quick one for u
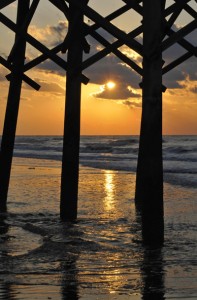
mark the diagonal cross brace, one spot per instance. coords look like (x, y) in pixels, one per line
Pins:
(39, 46)
(189, 9)
(177, 10)
(5, 3)
(116, 32)
(176, 62)
(110, 48)
(28, 80)
(178, 36)
(23, 28)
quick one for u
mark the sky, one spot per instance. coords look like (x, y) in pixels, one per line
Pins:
(111, 102)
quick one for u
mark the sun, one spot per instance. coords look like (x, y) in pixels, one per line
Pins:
(110, 85)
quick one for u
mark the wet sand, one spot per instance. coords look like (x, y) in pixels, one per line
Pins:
(101, 255)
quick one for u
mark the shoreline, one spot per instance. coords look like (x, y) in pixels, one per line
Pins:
(101, 255)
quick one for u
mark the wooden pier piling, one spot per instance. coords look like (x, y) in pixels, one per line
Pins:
(71, 139)
(11, 116)
(149, 181)
(158, 36)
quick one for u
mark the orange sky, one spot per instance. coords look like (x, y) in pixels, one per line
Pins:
(103, 111)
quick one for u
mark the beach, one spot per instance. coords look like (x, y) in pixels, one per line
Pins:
(101, 255)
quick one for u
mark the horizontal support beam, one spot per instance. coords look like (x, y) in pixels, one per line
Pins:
(25, 78)
(39, 46)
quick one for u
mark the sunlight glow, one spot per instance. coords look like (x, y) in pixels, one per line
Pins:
(110, 85)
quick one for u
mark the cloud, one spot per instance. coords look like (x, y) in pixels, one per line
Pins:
(111, 68)
(48, 87)
(184, 70)
(119, 92)
(193, 89)
(132, 103)
(50, 67)
(50, 35)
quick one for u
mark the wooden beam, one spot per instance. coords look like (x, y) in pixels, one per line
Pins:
(149, 179)
(5, 3)
(189, 9)
(87, 29)
(115, 31)
(176, 62)
(90, 30)
(25, 78)
(111, 48)
(177, 10)
(39, 46)
(61, 5)
(10, 123)
(24, 28)
(109, 18)
(179, 35)
(135, 5)
(32, 41)
(70, 158)
(184, 43)
(41, 58)
(114, 50)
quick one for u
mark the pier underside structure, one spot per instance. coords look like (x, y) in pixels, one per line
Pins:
(155, 33)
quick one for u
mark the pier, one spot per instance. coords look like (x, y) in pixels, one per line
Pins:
(156, 28)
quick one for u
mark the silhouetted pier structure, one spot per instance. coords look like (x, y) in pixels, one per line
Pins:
(157, 24)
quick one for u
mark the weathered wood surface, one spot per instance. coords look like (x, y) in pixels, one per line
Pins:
(11, 116)
(70, 158)
(149, 181)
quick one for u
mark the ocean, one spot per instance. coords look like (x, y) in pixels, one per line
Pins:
(118, 153)
(101, 255)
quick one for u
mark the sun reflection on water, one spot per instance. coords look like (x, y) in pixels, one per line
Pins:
(109, 190)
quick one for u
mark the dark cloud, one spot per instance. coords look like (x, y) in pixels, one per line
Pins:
(183, 71)
(171, 79)
(119, 92)
(50, 67)
(132, 104)
(111, 68)
(189, 68)
(49, 87)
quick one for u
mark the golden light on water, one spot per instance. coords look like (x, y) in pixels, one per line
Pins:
(109, 190)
